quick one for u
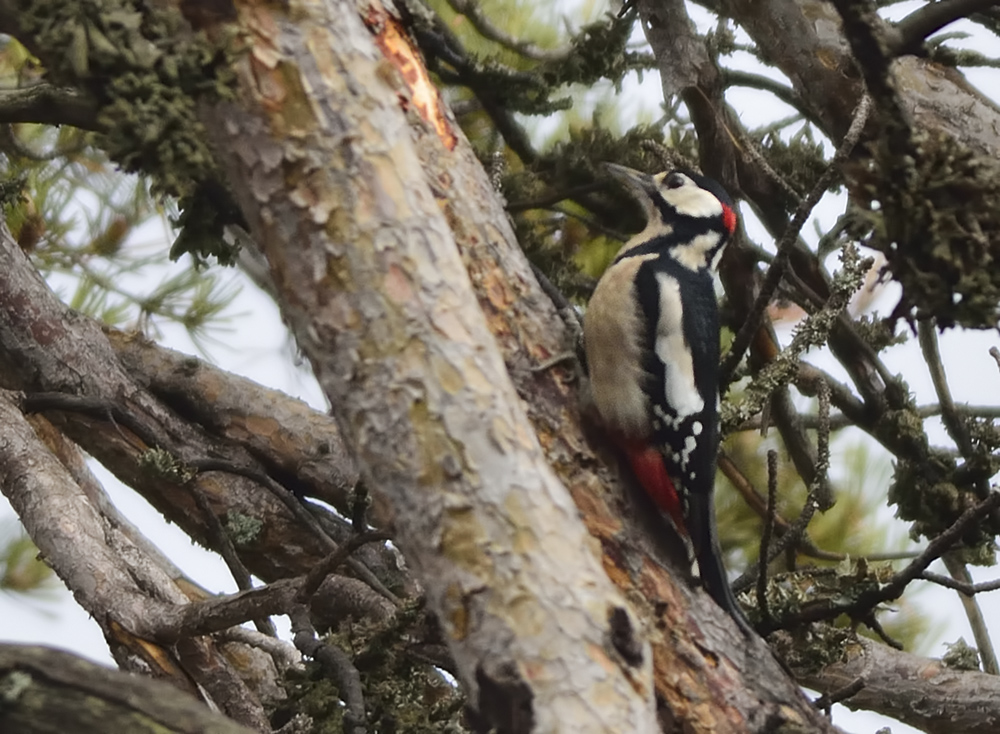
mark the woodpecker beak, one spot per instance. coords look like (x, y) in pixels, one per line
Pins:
(640, 185)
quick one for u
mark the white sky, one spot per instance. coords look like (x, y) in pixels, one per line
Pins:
(257, 346)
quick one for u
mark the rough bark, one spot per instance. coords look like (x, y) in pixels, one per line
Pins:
(370, 281)
(46, 691)
(924, 693)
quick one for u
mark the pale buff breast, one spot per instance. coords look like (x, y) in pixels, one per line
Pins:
(612, 328)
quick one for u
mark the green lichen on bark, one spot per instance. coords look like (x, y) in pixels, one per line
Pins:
(243, 530)
(402, 693)
(811, 332)
(961, 656)
(928, 493)
(164, 465)
(938, 225)
(148, 72)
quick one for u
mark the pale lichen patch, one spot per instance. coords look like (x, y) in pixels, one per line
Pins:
(447, 375)
(524, 613)
(463, 539)
(501, 434)
(398, 286)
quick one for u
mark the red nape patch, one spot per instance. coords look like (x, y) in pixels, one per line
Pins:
(651, 471)
(728, 219)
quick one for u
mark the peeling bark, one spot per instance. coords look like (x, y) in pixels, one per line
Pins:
(370, 281)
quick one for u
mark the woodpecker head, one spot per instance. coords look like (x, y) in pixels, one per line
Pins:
(690, 215)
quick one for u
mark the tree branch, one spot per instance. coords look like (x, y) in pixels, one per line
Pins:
(912, 30)
(958, 570)
(49, 690)
(736, 78)
(923, 693)
(48, 105)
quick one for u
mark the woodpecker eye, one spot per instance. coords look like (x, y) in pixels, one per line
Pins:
(674, 181)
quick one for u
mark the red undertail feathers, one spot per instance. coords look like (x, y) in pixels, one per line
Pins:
(650, 469)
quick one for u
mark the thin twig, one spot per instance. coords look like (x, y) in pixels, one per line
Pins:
(788, 540)
(995, 353)
(288, 499)
(669, 157)
(734, 78)
(328, 565)
(966, 588)
(774, 273)
(487, 30)
(225, 548)
(285, 656)
(898, 583)
(221, 612)
(927, 336)
(871, 621)
(839, 420)
(550, 199)
(825, 702)
(439, 44)
(958, 570)
(953, 423)
(765, 540)
(336, 665)
(806, 546)
(821, 482)
(38, 402)
(48, 105)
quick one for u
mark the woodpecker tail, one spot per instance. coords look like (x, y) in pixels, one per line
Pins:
(698, 523)
(705, 538)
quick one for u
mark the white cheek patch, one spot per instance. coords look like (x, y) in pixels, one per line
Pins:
(672, 351)
(693, 201)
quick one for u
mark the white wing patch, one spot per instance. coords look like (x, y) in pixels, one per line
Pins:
(694, 254)
(682, 394)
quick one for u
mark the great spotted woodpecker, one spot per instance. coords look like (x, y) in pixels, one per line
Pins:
(651, 335)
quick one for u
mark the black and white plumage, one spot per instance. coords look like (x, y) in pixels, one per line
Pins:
(651, 334)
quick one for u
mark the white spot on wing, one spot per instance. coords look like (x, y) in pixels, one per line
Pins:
(690, 444)
(696, 428)
(673, 352)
